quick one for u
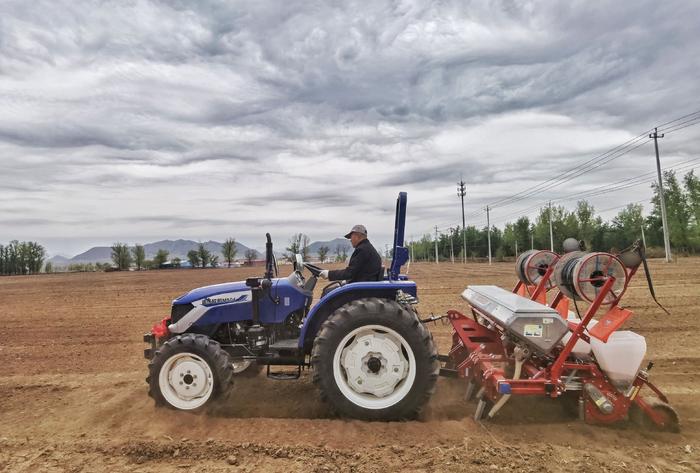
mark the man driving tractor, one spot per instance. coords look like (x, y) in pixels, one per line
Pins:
(365, 263)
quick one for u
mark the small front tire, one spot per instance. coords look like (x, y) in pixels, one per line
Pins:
(188, 371)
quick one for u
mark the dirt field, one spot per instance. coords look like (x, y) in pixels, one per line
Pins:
(73, 396)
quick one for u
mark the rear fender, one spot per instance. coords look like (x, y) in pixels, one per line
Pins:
(341, 296)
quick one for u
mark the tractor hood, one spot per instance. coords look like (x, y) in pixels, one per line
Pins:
(210, 291)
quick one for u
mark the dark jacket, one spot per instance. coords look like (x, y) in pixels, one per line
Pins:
(365, 265)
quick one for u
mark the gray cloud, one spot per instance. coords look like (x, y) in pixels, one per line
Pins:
(300, 115)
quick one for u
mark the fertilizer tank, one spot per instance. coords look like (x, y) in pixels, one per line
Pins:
(540, 327)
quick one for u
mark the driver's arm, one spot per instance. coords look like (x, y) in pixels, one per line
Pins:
(357, 261)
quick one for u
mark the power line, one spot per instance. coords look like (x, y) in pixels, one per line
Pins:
(588, 166)
(671, 130)
(679, 123)
(576, 171)
(677, 119)
(646, 178)
(621, 206)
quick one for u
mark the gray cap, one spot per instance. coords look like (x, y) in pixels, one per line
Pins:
(357, 229)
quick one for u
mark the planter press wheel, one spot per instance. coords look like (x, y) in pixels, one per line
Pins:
(593, 270)
(670, 416)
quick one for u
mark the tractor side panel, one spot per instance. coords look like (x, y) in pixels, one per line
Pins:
(344, 294)
(290, 298)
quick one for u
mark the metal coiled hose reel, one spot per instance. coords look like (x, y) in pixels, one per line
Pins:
(532, 265)
(580, 275)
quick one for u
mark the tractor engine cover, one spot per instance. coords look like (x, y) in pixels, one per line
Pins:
(538, 326)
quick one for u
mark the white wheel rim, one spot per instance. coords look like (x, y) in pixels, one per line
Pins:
(374, 367)
(240, 366)
(186, 381)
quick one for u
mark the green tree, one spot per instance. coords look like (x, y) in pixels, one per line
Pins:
(48, 268)
(204, 255)
(138, 254)
(678, 213)
(341, 253)
(323, 252)
(193, 258)
(588, 224)
(177, 262)
(250, 255)
(627, 226)
(229, 250)
(121, 256)
(692, 187)
(298, 244)
(160, 258)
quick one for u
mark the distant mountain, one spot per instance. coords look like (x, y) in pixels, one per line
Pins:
(96, 254)
(175, 248)
(58, 260)
(179, 248)
(332, 244)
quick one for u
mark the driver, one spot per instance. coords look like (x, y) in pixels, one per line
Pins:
(365, 263)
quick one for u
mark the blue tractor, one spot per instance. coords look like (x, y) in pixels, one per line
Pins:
(371, 356)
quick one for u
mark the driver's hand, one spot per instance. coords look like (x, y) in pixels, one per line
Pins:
(323, 274)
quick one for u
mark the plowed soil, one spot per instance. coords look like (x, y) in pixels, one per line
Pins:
(73, 396)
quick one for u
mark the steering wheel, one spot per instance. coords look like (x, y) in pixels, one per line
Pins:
(315, 270)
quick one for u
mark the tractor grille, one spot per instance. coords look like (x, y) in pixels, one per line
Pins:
(179, 311)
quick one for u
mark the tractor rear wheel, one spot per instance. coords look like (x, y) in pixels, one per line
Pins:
(374, 360)
(188, 371)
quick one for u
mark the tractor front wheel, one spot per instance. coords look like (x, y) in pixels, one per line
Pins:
(374, 360)
(188, 371)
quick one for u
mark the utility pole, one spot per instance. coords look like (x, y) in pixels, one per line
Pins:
(461, 192)
(436, 248)
(488, 225)
(516, 247)
(667, 242)
(413, 258)
(551, 234)
(644, 240)
(452, 248)
(532, 241)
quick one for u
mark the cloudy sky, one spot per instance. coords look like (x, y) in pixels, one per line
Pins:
(141, 120)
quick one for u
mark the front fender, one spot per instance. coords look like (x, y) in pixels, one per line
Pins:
(342, 295)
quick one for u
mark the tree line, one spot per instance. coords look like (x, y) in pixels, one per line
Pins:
(25, 257)
(124, 257)
(683, 213)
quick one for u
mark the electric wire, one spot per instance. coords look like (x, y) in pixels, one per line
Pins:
(671, 126)
(576, 171)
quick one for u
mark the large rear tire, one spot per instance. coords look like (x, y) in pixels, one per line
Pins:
(188, 371)
(374, 360)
